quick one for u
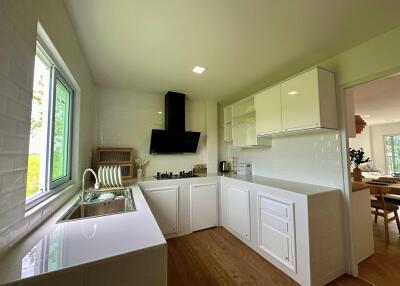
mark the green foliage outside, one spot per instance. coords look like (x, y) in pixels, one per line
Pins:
(392, 146)
(61, 127)
(32, 184)
(61, 130)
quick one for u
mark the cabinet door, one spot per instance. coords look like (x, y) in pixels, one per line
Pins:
(238, 210)
(268, 111)
(275, 242)
(276, 230)
(163, 203)
(228, 132)
(300, 102)
(203, 206)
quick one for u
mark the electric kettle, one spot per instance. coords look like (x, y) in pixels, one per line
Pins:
(223, 166)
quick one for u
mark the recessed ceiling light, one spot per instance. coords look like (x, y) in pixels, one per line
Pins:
(198, 70)
(160, 112)
(367, 116)
(293, 92)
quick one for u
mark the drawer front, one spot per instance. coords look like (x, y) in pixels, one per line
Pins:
(274, 222)
(276, 231)
(274, 207)
(276, 243)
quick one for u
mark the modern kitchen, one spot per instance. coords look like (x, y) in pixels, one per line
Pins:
(182, 143)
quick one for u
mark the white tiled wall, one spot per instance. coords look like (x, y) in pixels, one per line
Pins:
(18, 23)
(119, 114)
(16, 71)
(313, 158)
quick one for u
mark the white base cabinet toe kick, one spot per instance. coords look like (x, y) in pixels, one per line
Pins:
(297, 227)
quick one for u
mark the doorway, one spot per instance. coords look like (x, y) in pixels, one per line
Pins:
(374, 142)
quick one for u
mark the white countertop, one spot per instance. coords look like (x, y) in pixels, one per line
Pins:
(56, 246)
(290, 186)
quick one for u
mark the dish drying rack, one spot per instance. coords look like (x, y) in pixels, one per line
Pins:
(109, 189)
(116, 156)
(93, 194)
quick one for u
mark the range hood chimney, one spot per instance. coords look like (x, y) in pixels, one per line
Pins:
(175, 111)
(174, 139)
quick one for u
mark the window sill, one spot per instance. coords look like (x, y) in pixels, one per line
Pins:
(67, 190)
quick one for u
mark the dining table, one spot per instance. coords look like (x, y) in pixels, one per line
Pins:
(390, 185)
(383, 189)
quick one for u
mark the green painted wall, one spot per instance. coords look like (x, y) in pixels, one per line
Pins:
(379, 56)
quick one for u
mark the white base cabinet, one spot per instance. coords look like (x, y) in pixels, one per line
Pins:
(190, 204)
(203, 206)
(276, 232)
(301, 232)
(288, 228)
(163, 203)
(362, 227)
(238, 210)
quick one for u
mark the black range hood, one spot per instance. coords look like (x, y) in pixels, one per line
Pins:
(174, 139)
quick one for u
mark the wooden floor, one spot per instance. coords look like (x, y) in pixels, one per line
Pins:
(383, 268)
(216, 257)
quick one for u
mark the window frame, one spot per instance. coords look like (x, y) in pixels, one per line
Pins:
(54, 184)
(387, 163)
(56, 73)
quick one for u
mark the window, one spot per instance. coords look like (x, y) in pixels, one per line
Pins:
(392, 153)
(49, 161)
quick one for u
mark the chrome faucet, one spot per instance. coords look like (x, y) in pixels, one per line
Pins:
(96, 185)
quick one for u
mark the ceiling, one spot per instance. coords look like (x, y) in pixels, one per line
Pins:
(152, 46)
(378, 101)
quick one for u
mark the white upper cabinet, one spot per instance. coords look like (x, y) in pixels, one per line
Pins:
(268, 111)
(304, 102)
(228, 124)
(309, 101)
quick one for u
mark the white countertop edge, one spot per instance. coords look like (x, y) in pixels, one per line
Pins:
(20, 249)
(90, 263)
(301, 188)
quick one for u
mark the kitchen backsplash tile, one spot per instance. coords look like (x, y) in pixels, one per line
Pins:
(313, 158)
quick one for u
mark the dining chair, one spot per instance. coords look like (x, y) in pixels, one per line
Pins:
(383, 208)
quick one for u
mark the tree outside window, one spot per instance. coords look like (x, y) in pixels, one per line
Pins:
(392, 153)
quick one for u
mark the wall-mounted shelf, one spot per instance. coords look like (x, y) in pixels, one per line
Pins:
(244, 125)
(115, 156)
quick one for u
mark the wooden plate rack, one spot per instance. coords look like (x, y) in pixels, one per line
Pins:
(115, 156)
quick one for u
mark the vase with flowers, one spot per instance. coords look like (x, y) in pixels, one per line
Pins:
(357, 158)
(140, 163)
